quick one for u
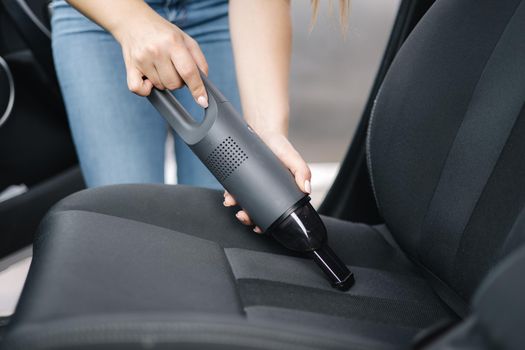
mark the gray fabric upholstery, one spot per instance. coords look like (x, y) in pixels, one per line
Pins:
(488, 327)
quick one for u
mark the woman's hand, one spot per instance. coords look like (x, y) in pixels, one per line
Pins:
(152, 46)
(284, 150)
(158, 50)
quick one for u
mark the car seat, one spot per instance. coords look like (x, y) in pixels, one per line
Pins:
(162, 267)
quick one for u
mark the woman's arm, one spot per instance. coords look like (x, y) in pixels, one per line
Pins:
(262, 38)
(151, 46)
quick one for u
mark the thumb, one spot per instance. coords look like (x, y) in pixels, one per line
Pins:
(303, 176)
(299, 169)
(291, 159)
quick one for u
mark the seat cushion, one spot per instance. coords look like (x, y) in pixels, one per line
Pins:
(129, 265)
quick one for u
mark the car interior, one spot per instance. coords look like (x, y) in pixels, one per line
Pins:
(426, 210)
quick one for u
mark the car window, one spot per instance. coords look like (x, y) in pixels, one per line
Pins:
(331, 79)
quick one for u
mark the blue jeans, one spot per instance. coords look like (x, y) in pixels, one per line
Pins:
(119, 136)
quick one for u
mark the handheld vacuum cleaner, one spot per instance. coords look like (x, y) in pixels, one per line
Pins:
(241, 162)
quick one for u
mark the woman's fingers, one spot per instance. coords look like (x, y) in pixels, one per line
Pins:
(241, 215)
(169, 77)
(196, 53)
(244, 218)
(136, 83)
(188, 71)
(229, 201)
(151, 73)
(299, 169)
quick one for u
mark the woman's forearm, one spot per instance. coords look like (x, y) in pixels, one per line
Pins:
(261, 33)
(261, 39)
(113, 15)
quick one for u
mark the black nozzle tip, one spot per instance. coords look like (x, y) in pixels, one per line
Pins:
(337, 272)
(345, 284)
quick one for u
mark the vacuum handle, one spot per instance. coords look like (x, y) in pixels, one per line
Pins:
(178, 117)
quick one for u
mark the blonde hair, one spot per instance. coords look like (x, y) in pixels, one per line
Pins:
(343, 13)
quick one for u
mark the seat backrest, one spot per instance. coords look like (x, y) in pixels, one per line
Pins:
(446, 142)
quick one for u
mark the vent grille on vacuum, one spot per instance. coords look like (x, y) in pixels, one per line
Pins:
(225, 158)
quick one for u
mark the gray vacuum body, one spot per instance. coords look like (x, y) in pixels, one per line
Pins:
(235, 155)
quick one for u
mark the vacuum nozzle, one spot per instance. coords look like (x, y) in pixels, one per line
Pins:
(301, 229)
